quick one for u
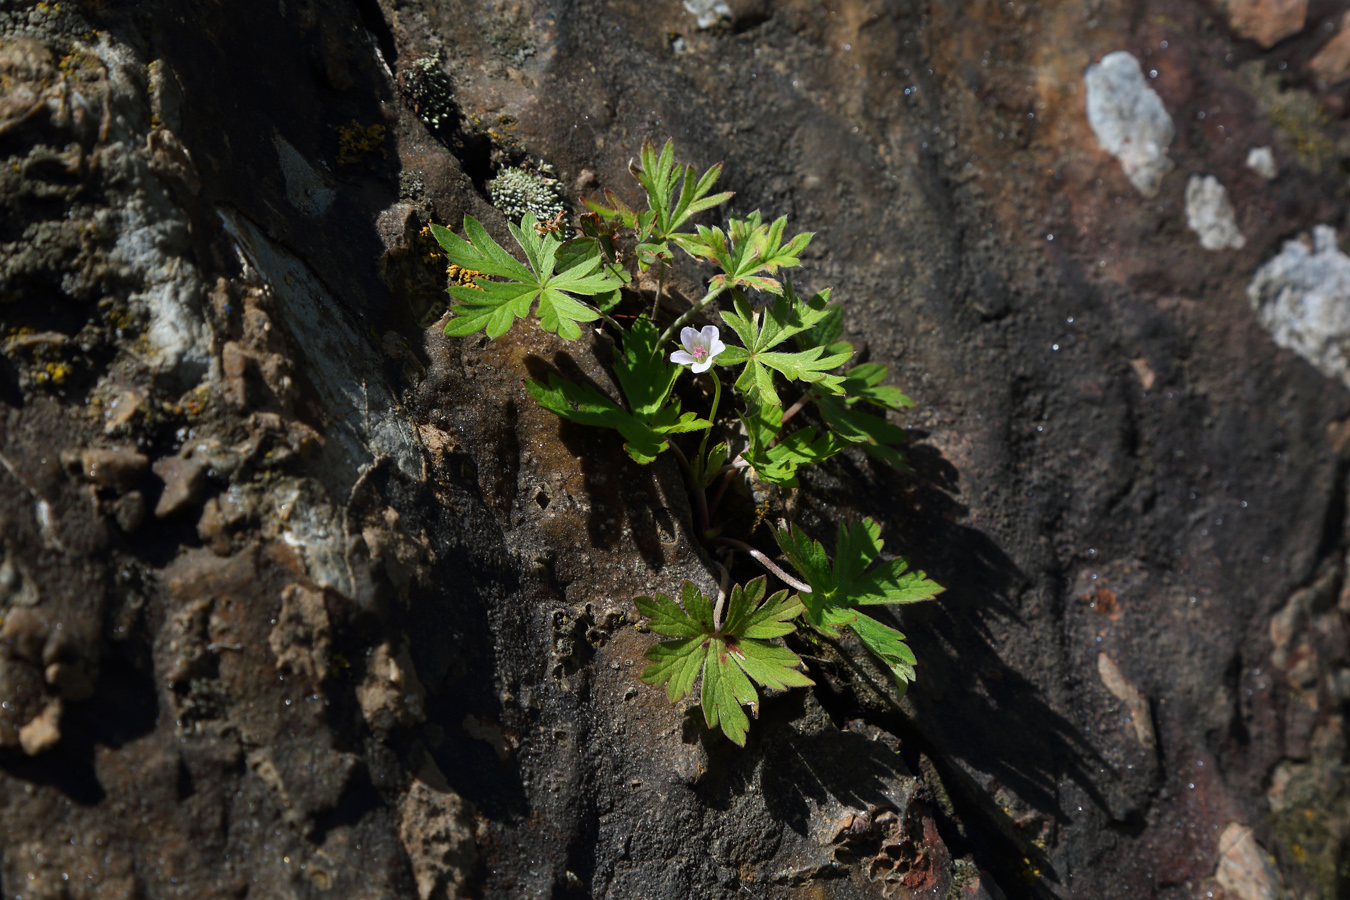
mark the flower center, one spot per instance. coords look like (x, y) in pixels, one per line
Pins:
(699, 354)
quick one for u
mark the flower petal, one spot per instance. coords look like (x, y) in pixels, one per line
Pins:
(716, 348)
(682, 358)
(709, 334)
(689, 337)
(701, 367)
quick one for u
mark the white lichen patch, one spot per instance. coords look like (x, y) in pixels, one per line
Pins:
(517, 191)
(706, 13)
(1302, 297)
(1262, 161)
(1129, 120)
(1210, 215)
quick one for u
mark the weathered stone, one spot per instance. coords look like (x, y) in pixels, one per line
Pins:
(113, 468)
(1124, 690)
(391, 693)
(184, 480)
(301, 639)
(1266, 21)
(129, 511)
(438, 835)
(43, 732)
(1332, 62)
(1245, 869)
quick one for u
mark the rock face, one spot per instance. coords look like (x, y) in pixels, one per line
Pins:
(302, 598)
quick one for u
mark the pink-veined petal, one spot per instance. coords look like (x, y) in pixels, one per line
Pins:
(680, 357)
(709, 334)
(689, 337)
(701, 367)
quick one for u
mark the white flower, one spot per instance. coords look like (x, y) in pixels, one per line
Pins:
(699, 348)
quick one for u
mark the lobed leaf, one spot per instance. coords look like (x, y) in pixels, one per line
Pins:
(557, 274)
(731, 659)
(838, 588)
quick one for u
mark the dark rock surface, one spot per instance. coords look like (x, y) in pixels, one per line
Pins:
(301, 598)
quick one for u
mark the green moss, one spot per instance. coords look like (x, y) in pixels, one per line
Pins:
(1298, 118)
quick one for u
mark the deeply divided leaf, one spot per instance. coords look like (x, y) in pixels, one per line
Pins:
(731, 659)
(555, 277)
(838, 589)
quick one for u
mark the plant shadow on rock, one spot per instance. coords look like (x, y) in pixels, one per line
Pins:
(795, 768)
(968, 705)
(617, 486)
(967, 699)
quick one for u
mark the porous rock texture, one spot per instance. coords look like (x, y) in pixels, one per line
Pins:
(303, 599)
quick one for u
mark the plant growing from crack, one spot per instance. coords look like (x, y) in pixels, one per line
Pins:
(789, 344)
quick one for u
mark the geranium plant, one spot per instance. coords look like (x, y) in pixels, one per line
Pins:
(789, 347)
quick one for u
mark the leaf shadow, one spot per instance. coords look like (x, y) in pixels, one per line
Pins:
(642, 504)
(795, 765)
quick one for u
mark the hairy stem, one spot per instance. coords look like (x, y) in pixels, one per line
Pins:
(700, 498)
(764, 561)
(689, 314)
(797, 407)
(712, 419)
(721, 594)
(727, 472)
(660, 286)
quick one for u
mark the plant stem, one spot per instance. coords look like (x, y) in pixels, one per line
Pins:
(660, 285)
(700, 498)
(764, 561)
(726, 472)
(712, 418)
(797, 407)
(689, 314)
(721, 594)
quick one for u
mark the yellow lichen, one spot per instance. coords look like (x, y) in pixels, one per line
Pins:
(461, 277)
(357, 140)
(53, 373)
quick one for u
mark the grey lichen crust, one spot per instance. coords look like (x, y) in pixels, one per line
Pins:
(430, 91)
(517, 191)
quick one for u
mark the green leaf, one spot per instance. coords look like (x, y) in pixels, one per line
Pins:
(845, 419)
(644, 373)
(731, 659)
(554, 278)
(777, 463)
(644, 439)
(674, 193)
(747, 248)
(836, 590)
(864, 383)
(761, 331)
(828, 329)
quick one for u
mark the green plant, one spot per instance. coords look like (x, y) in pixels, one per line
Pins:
(789, 345)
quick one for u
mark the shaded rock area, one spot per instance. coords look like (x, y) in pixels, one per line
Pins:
(302, 599)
